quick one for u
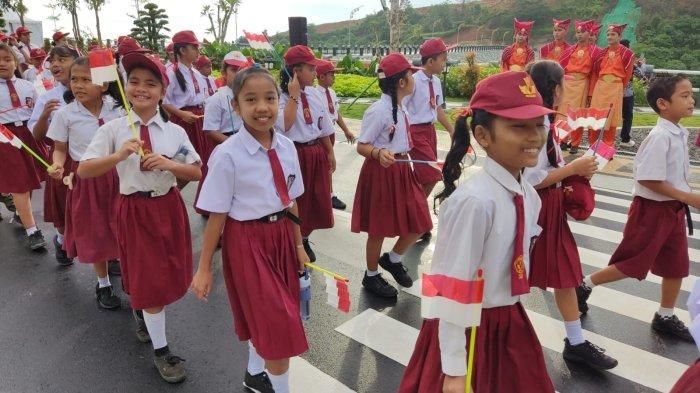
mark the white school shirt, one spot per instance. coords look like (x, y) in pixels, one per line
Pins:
(418, 103)
(301, 132)
(54, 94)
(32, 72)
(212, 83)
(663, 155)
(76, 125)
(378, 122)
(167, 139)
(477, 231)
(240, 181)
(219, 116)
(27, 96)
(174, 94)
(539, 172)
(334, 100)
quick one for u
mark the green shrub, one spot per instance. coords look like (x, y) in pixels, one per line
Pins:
(347, 85)
(640, 93)
(462, 78)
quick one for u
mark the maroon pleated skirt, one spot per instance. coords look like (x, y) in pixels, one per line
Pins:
(389, 202)
(202, 144)
(260, 269)
(55, 194)
(155, 248)
(315, 207)
(554, 259)
(689, 381)
(424, 148)
(20, 172)
(654, 239)
(91, 218)
(508, 356)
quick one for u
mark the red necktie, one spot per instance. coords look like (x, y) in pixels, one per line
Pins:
(278, 177)
(433, 104)
(209, 89)
(331, 107)
(518, 276)
(100, 122)
(194, 82)
(305, 107)
(145, 135)
(14, 97)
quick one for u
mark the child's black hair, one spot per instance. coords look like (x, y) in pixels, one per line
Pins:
(547, 75)
(112, 88)
(178, 74)
(285, 78)
(243, 76)
(161, 110)
(663, 87)
(424, 59)
(461, 141)
(8, 49)
(389, 86)
(63, 51)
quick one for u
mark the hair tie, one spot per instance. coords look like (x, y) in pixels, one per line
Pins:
(465, 112)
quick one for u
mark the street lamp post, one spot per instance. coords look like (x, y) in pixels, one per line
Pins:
(493, 33)
(503, 41)
(458, 31)
(352, 14)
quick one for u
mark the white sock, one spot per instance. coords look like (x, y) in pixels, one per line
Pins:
(155, 323)
(59, 238)
(279, 382)
(31, 231)
(372, 273)
(103, 281)
(587, 280)
(665, 312)
(256, 364)
(574, 332)
(332, 194)
(305, 238)
(394, 257)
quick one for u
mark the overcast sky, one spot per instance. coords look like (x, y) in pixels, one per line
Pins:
(254, 15)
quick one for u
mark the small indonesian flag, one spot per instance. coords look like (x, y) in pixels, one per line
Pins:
(338, 294)
(588, 118)
(562, 131)
(602, 152)
(443, 295)
(258, 41)
(7, 136)
(103, 69)
(42, 84)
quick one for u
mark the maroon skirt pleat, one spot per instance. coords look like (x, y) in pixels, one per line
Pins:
(91, 218)
(689, 381)
(315, 206)
(554, 259)
(202, 144)
(389, 202)
(508, 356)
(424, 148)
(260, 269)
(20, 172)
(55, 194)
(155, 248)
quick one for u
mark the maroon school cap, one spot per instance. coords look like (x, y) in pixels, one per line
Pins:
(434, 46)
(509, 94)
(393, 64)
(147, 60)
(299, 54)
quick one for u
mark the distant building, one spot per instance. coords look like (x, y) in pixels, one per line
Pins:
(12, 23)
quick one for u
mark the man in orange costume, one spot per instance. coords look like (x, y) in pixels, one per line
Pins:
(553, 50)
(516, 56)
(612, 71)
(577, 61)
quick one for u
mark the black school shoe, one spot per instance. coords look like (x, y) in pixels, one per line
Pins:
(61, 254)
(113, 268)
(309, 251)
(671, 326)
(397, 270)
(6, 199)
(35, 241)
(583, 292)
(573, 150)
(426, 237)
(106, 298)
(258, 383)
(141, 329)
(589, 354)
(338, 204)
(379, 286)
(170, 367)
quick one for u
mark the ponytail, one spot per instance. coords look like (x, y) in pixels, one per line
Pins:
(285, 79)
(390, 86)
(461, 142)
(178, 74)
(163, 113)
(547, 75)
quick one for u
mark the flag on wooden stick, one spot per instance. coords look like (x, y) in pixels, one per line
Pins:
(103, 68)
(258, 41)
(338, 294)
(7, 136)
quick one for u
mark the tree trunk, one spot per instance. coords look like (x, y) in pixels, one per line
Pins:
(394, 22)
(97, 23)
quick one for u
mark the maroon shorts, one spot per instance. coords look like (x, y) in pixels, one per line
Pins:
(654, 239)
(424, 148)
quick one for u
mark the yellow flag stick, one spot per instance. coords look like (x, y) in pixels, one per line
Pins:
(134, 134)
(470, 360)
(38, 157)
(327, 272)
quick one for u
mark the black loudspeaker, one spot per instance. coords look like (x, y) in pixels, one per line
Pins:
(297, 31)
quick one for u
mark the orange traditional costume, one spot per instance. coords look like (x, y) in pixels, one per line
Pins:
(612, 71)
(516, 56)
(553, 50)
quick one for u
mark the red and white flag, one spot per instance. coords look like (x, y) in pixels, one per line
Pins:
(588, 118)
(562, 131)
(7, 136)
(445, 295)
(42, 84)
(602, 152)
(103, 68)
(258, 41)
(338, 294)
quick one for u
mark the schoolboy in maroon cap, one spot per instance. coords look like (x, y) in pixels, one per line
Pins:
(486, 227)
(425, 107)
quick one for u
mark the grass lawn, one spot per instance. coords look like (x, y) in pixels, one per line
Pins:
(639, 119)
